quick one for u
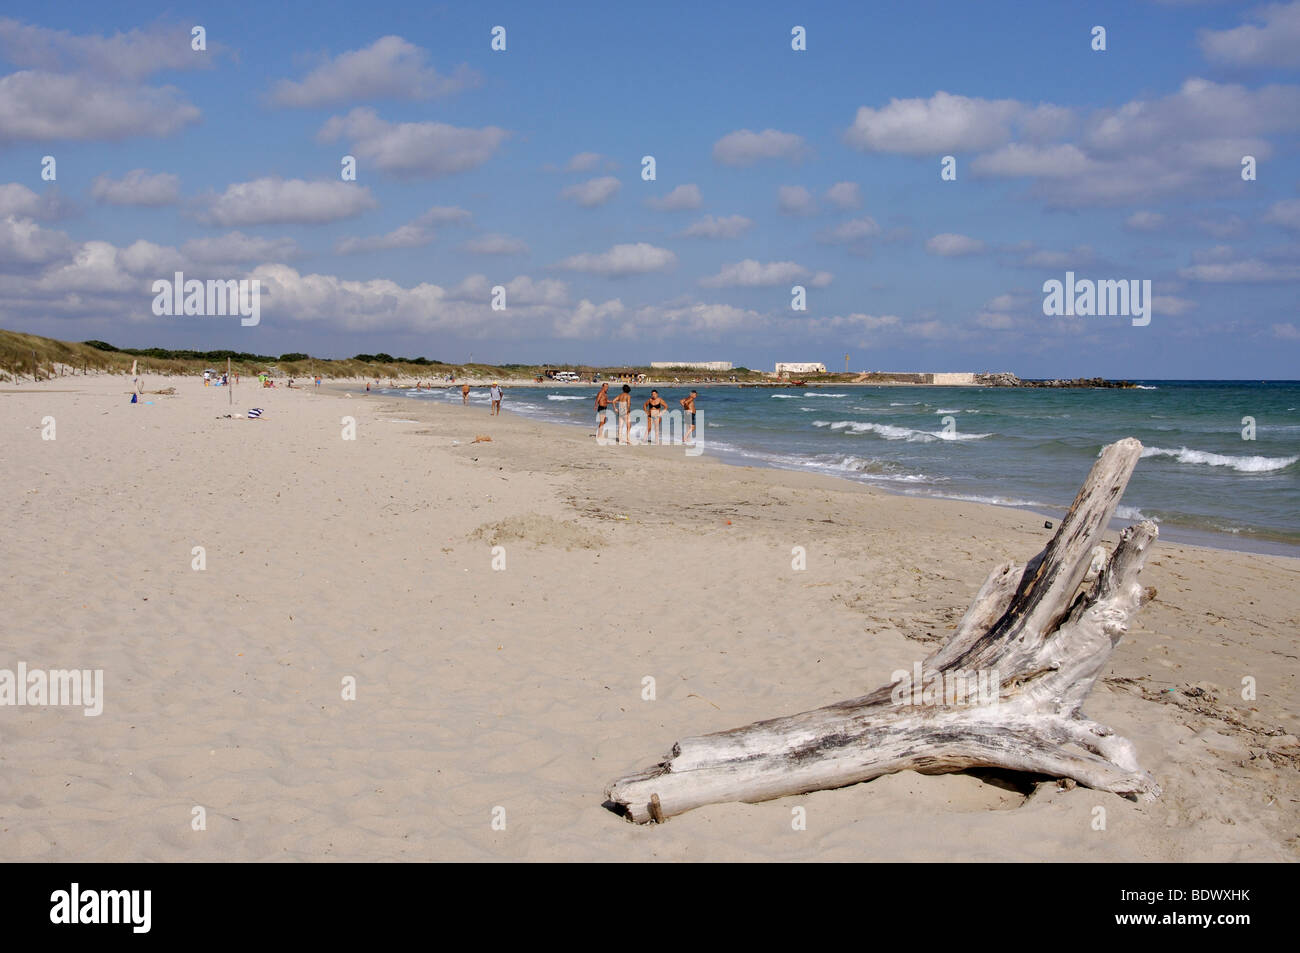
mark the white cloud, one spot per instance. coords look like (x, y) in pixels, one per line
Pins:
(732, 226)
(1287, 332)
(94, 268)
(1222, 225)
(754, 274)
(23, 242)
(584, 162)
(1081, 256)
(407, 236)
(1018, 159)
(587, 319)
(1217, 253)
(1217, 118)
(710, 319)
(593, 192)
(16, 199)
(1285, 213)
(379, 304)
(413, 149)
(795, 200)
(1144, 221)
(844, 195)
(1188, 143)
(682, 197)
(138, 187)
(994, 320)
(950, 245)
(444, 215)
(496, 245)
(389, 68)
(236, 247)
(622, 260)
(943, 123)
(520, 290)
(130, 55)
(1275, 42)
(146, 258)
(1244, 271)
(1171, 305)
(857, 328)
(745, 147)
(51, 106)
(854, 230)
(288, 201)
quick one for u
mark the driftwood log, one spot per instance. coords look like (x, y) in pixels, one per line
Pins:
(1005, 691)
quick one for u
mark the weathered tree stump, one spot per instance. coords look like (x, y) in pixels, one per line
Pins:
(1005, 691)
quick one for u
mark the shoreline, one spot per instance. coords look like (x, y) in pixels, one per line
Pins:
(1204, 539)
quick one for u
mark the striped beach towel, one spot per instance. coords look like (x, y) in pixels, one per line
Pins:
(255, 412)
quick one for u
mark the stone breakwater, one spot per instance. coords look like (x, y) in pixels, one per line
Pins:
(1011, 380)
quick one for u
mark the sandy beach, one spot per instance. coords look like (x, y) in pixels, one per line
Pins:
(479, 689)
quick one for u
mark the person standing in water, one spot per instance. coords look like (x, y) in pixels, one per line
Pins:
(495, 394)
(464, 395)
(654, 409)
(688, 405)
(602, 409)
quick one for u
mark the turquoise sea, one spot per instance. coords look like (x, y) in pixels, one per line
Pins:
(1200, 476)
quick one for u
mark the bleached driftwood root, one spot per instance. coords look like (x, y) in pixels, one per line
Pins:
(1038, 642)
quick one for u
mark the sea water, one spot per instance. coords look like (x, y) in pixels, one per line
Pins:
(1220, 465)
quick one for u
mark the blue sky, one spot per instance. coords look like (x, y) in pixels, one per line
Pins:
(775, 168)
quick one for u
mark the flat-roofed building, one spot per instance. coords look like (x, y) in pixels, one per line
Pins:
(795, 368)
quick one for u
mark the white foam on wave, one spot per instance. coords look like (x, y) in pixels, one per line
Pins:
(1133, 513)
(812, 393)
(859, 468)
(1255, 464)
(1145, 387)
(890, 432)
(995, 500)
(567, 397)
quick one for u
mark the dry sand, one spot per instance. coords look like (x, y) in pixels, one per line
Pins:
(522, 689)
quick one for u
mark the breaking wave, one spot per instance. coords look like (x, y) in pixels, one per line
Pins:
(1240, 464)
(890, 432)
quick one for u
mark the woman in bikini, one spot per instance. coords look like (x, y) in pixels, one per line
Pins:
(623, 408)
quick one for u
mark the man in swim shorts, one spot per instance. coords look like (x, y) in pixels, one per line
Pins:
(602, 408)
(688, 405)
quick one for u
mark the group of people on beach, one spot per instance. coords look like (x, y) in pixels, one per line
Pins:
(654, 408)
(621, 404)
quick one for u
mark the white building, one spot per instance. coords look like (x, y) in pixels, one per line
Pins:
(790, 368)
(691, 365)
